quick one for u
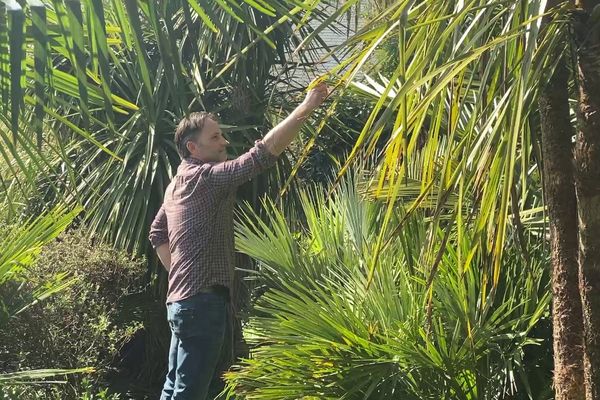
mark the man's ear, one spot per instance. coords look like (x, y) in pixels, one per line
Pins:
(190, 146)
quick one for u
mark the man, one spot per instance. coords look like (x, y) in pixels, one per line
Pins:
(193, 236)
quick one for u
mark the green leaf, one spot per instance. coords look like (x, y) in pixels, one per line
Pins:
(78, 55)
(39, 375)
(16, 20)
(202, 14)
(40, 52)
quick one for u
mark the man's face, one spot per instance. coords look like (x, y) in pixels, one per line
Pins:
(209, 145)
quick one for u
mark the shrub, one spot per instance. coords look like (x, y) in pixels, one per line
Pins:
(78, 326)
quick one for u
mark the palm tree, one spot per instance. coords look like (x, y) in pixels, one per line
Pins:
(471, 73)
(557, 130)
(587, 184)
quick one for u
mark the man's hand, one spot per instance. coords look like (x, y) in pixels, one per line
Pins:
(164, 255)
(316, 96)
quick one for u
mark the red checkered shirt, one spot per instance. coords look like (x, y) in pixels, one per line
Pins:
(196, 219)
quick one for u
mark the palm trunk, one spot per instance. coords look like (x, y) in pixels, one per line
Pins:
(562, 211)
(587, 176)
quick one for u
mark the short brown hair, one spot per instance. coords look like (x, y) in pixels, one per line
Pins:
(188, 128)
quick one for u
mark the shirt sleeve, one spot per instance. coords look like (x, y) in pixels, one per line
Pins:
(242, 169)
(159, 232)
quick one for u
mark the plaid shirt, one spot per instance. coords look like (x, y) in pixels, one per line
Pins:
(196, 219)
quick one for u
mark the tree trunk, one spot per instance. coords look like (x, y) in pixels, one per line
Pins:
(587, 178)
(559, 189)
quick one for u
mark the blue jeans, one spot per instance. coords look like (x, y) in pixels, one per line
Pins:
(197, 333)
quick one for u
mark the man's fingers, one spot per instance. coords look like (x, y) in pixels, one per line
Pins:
(322, 87)
(315, 83)
(317, 91)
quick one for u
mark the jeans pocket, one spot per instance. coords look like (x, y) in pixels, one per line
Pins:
(204, 315)
(182, 320)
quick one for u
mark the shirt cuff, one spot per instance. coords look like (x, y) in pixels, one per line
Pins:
(158, 241)
(264, 156)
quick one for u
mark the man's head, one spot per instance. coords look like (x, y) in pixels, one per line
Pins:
(199, 136)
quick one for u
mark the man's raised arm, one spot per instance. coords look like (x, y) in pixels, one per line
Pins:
(284, 133)
(265, 152)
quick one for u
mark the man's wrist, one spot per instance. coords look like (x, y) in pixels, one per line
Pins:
(303, 111)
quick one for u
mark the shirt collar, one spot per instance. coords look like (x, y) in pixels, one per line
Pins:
(193, 160)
